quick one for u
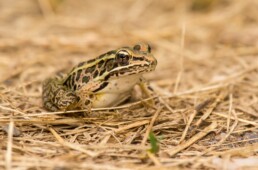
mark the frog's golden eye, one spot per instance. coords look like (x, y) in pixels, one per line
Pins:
(123, 57)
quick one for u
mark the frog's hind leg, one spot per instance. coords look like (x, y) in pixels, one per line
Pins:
(50, 106)
(56, 97)
(47, 95)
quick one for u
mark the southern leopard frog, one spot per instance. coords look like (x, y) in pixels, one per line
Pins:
(101, 82)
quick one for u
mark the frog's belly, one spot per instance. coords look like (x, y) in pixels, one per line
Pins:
(116, 91)
(109, 99)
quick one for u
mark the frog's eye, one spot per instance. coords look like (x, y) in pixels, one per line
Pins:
(123, 57)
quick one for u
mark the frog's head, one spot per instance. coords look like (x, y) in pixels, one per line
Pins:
(129, 61)
(125, 61)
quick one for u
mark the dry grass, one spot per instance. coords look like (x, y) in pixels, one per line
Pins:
(206, 84)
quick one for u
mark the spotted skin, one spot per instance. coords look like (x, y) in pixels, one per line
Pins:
(56, 96)
(101, 82)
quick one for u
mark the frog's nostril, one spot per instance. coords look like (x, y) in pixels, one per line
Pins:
(154, 62)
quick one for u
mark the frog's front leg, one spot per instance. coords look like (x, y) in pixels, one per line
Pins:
(56, 97)
(85, 102)
(147, 90)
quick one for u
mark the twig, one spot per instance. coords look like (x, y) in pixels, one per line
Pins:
(70, 145)
(8, 156)
(179, 76)
(135, 124)
(151, 125)
(211, 108)
(239, 119)
(241, 151)
(72, 111)
(46, 8)
(225, 137)
(188, 125)
(188, 143)
(229, 111)
(166, 105)
(154, 159)
(230, 130)
(197, 90)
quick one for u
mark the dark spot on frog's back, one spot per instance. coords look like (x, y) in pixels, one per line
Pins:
(81, 64)
(85, 79)
(100, 64)
(78, 74)
(95, 74)
(90, 69)
(102, 72)
(111, 52)
(109, 65)
(91, 60)
(69, 82)
(102, 55)
(107, 77)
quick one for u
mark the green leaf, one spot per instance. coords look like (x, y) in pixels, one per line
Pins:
(154, 143)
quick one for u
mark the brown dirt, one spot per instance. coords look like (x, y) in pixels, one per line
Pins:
(206, 84)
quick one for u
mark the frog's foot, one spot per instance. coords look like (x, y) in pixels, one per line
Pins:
(50, 106)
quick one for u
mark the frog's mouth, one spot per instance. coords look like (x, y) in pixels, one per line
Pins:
(130, 70)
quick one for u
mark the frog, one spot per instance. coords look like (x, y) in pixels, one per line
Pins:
(104, 81)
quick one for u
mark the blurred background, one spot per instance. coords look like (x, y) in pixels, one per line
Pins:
(54, 35)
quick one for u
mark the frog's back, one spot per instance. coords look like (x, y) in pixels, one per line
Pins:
(89, 73)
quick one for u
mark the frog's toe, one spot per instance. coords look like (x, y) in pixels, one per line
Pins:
(50, 106)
